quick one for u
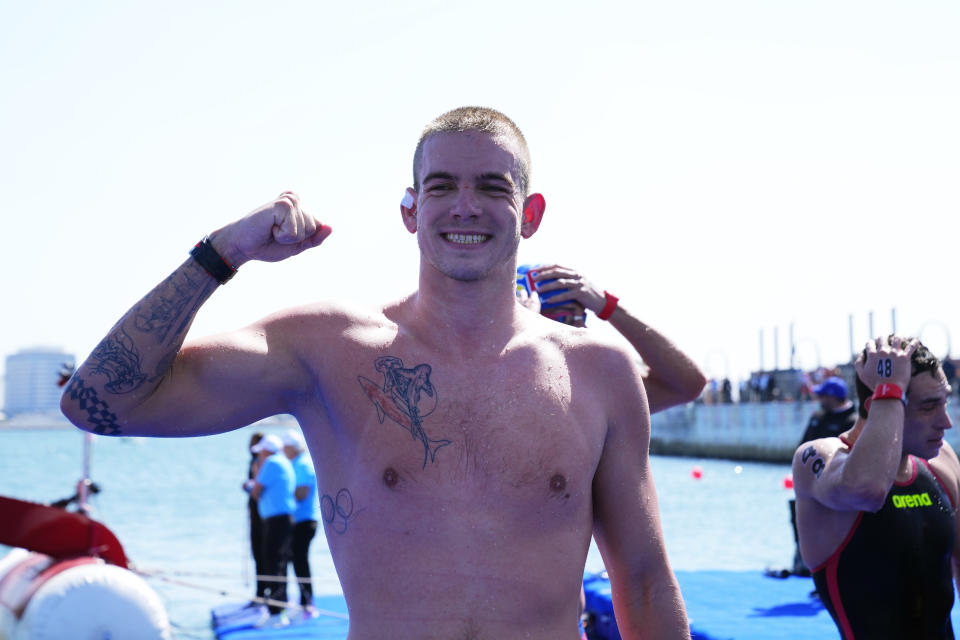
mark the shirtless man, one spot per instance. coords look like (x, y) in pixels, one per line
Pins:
(465, 448)
(876, 506)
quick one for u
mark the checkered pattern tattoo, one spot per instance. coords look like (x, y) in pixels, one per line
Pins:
(103, 420)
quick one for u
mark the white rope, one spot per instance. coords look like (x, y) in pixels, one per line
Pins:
(198, 574)
(233, 594)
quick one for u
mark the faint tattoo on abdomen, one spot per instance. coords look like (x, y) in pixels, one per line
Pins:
(337, 511)
(400, 398)
(98, 412)
(117, 358)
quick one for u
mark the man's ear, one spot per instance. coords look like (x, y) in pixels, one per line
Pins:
(408, 210)
(533, 208)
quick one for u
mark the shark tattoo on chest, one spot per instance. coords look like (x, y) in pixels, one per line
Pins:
(406, 396)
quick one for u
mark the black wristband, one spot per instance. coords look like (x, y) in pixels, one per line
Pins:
(212, 262)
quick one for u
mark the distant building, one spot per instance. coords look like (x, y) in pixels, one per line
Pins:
(30, 382)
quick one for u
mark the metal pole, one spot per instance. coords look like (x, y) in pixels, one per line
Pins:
(776, 348)
(761, 350)
(850, 329)
(870, 325)
(893, 320)
(82, 505)
(793, 346)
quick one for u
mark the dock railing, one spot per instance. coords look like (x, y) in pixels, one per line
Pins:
(761, 431)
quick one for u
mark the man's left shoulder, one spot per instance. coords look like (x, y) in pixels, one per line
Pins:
(600, 353)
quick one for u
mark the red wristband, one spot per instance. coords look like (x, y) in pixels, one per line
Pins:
(886, 391)
(609, 307)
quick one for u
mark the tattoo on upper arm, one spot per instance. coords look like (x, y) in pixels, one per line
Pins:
(117, 358)
(818, 463)
(401, 398)
(174, 297)
(337, 511)
(103, 420)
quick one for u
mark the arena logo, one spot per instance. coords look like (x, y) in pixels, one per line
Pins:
(914, 500)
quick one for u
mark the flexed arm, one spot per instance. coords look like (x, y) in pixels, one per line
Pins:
(141, 380)
(672, 377)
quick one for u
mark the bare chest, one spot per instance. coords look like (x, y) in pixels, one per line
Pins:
(510, 429)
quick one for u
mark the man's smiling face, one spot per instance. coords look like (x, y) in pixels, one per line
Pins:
(469, 205)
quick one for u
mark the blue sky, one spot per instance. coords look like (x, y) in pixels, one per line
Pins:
(722, 167)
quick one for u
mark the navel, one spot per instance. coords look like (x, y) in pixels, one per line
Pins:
(390, 477)
(558, 483)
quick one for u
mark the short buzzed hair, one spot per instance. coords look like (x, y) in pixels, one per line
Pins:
(480, 119)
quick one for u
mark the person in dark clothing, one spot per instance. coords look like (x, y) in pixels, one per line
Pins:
(876, 505)
(256, 525)
(836, 414)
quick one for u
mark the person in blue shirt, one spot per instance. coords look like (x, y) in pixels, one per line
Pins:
(304, 514)
(273, 491)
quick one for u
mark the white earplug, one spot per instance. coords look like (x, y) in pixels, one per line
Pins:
(407, 200)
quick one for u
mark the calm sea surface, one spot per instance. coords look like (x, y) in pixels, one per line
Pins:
(177, 507)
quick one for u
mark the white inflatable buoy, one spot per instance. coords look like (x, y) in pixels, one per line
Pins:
(81, 599)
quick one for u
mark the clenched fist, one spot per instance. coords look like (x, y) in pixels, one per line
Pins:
(276, 231)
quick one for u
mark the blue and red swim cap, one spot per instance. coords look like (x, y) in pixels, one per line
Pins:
(548, 299)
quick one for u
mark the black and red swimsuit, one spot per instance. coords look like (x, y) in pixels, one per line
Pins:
(891, 577)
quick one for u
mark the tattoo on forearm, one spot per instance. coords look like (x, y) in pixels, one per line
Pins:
(818, 463)
(99, 416)
(117, 358)
(173, 298)
(337, 511)
(400, 399)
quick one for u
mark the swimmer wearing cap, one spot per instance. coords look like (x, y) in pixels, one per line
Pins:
(565, 295)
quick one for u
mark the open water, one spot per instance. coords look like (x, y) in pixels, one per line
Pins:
(177, 507)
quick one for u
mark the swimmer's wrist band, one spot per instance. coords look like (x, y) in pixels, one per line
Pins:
(212, 262)
(609, 307)
(886, 391)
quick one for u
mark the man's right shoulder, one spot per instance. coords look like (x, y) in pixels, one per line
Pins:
(829, 444)
(811, 458)
(327, 316)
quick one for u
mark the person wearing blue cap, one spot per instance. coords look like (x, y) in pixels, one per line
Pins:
(837, 412)
(304, 515)
(563, 294)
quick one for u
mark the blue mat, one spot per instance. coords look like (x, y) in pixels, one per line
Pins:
(747, 605)
(721, 605)
(731, 605)
(235, 621)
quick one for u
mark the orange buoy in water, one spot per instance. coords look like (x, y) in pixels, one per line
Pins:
(788, 481)
(697, 473)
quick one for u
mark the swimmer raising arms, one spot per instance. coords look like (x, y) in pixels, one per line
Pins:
(876, 506)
